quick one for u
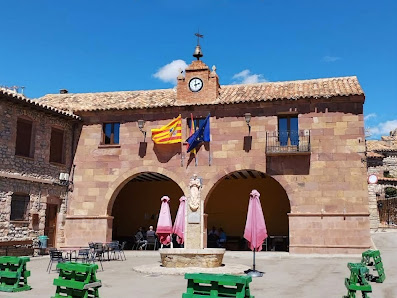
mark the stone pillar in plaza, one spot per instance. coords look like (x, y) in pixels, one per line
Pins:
(374, 220)
(194, 215)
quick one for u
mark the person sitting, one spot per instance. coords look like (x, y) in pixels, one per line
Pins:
(213, 236)
(140, 240)
(222, 238)
(151, 232)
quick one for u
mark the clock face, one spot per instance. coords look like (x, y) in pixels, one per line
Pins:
(195, 84)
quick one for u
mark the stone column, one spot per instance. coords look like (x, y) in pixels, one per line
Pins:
(373, 206)
(194, 215)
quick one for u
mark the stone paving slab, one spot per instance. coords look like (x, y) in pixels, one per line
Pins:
(288, 276)
(236, 269)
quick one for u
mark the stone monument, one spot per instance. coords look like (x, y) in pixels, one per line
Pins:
(194, 253)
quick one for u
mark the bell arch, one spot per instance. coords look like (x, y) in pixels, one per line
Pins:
(227, 201)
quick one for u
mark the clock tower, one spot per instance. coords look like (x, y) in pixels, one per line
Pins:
(199, 85)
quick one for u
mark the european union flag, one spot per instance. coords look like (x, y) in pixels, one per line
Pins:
(201, 135)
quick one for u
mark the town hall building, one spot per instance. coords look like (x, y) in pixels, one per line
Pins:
(91, 159)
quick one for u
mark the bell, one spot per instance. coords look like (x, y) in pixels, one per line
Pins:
(197, 52)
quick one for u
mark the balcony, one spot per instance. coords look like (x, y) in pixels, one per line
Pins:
(288, 142)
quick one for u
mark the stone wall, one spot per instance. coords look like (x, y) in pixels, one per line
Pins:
(327, 188)
(34, 176)
(39, 194)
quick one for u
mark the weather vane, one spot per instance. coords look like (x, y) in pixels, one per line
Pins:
(198, 37)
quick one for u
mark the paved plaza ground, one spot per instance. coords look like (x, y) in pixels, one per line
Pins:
(285, 275)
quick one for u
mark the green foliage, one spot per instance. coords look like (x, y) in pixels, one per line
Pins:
(390, 192)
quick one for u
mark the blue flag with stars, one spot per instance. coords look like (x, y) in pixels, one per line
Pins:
(201, 135)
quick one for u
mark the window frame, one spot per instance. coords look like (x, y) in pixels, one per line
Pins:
(62, 160)
(288, 130)
(112, 133)
(20, 138)
(14, 216)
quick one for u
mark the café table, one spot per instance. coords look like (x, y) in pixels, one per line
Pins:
(69, 250)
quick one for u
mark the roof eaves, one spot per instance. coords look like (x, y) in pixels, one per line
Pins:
(22, 99)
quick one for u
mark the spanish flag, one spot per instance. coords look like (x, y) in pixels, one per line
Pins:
(170, 133)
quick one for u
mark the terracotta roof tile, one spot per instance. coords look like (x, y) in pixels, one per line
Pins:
(17, 97)
(374, 145)
(374, 155)
(229, 94)
(387, 179)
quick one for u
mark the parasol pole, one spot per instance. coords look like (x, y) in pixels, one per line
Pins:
(253, 265)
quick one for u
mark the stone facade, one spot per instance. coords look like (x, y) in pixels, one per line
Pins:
(327, 191)
(34, 176)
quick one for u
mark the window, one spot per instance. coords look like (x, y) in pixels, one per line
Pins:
(24, 140)
(19, 207)
(288, 130)
(110, 133)
(56, 145)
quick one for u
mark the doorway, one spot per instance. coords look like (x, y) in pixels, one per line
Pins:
(51, 224)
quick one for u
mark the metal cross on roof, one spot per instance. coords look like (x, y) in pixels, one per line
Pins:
(198, 37)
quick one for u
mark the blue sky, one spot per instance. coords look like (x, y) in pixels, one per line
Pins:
(91, 46)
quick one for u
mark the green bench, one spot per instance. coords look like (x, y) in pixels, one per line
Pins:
(217, 285)
(357, 281)
(13, 274)
(376, 262)
(77, 280)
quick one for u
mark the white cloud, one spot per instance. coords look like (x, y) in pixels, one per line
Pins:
(383, 129)
(245, 77)
(169, 72)
(369, 116)
(331, 58)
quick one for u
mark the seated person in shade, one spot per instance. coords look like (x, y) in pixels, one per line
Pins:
(213, 238)
(139, 239)
(151, 232)
(213, 231)
(222, 238)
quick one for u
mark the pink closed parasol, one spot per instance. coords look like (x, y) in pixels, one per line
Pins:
(179, 224)
(164, 224)
(255, 228)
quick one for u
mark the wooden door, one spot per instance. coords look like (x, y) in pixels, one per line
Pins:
(51, 224)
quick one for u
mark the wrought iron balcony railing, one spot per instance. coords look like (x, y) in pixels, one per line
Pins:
(288, 141)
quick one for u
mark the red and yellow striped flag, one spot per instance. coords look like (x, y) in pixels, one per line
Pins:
(170, 133)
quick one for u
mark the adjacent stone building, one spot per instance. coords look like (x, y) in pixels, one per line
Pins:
(35, 147)
(299, 143)
(382, 162)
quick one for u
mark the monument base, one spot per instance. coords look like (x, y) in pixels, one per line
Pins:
(182, 257)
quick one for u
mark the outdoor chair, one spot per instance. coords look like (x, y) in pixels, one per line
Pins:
(139, 243)
(55, 256)
(120, 250)
(96, 253)
(83, 255)
(112, 248)
(151, 241)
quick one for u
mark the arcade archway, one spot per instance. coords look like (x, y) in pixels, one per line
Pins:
(227, 204)
(138, 203)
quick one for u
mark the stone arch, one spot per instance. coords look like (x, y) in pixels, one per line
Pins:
(217, 178)
(226, 208)
(128, 175)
